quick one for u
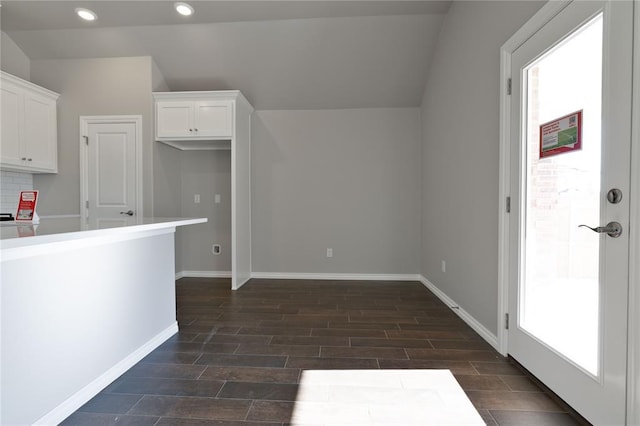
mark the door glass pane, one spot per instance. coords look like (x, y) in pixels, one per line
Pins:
(560, 286)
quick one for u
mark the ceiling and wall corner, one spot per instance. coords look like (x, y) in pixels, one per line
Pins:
(12, 59)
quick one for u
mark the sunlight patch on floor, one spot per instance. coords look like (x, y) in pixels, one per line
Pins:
(382, 397)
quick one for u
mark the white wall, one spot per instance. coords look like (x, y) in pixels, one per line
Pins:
(205, 173)
(12, 59)
(104, 86)
(460, 120)
(342, 179)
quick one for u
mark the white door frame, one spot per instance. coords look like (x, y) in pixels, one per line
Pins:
(544, 15)
(633, 373)
(85, 121)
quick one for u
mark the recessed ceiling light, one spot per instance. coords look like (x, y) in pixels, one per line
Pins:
(86, 14)
(183, 8)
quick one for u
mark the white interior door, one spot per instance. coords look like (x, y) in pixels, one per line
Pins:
(111, 172)
(570, 145)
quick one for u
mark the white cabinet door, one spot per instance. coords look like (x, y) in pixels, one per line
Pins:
(213, 119)
(29, 127)
(175, 119)
(40, 133)
(194, 120)
(12, 127)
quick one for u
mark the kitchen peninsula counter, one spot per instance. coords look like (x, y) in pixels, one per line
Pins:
(56, 230)
(81, 302)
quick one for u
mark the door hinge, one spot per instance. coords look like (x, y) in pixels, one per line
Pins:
(86, 203)
(508, 204)
(506, 321)
(508, 86)
(86, 139)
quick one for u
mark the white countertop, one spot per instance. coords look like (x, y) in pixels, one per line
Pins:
(54, 230)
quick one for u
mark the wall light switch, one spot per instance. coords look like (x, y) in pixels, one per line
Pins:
(217, 198)
(329, 252)
(196, 198)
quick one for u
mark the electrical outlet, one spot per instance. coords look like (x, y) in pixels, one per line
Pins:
(215, 249)
(329, 252)
(444, 266)
(196, 198)
(216, 198)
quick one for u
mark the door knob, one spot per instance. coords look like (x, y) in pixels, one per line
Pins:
(614, 196)
(129, 213)
(612, 229)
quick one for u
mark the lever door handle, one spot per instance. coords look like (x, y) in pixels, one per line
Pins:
(612, 229)
(129, 213)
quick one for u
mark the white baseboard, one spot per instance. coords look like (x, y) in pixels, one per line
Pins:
(335, 277)
(77, 400)
(203, 274)
(491, 338)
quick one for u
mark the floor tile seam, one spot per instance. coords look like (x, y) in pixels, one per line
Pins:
(519, 393)
(530, 410)
(376, 358)
(211, 398)
(503, 381)
(206, 367)
(405, 353)
(369, 347)
(257, 400)
(135, 405)
(246, 417)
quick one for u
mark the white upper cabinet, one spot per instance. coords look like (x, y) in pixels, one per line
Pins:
(29, 137)
(199, 120)
(194, 119)
(197, 117)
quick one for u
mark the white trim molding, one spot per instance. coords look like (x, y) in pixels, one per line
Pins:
(77, 400)
(334, 277)
(633, 369)
(484, 332)
(203, 274)
(544, 15)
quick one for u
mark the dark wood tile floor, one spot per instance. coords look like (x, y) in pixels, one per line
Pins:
(239, 355)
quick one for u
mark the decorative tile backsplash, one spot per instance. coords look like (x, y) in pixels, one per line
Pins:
(11, 183)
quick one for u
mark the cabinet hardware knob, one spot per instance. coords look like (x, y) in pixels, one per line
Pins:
(196, 130)
(191, 130)
(30, 159)
(24, 158)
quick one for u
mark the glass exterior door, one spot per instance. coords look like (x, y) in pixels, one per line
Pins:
(560, 288)
(570, 145)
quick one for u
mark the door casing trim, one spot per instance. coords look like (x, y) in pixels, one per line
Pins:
(85, 121)
(633, 327)
(541, 18)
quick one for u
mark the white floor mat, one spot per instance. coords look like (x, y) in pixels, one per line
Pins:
(382, 397)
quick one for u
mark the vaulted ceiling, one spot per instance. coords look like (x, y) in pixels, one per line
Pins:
(280, 54)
